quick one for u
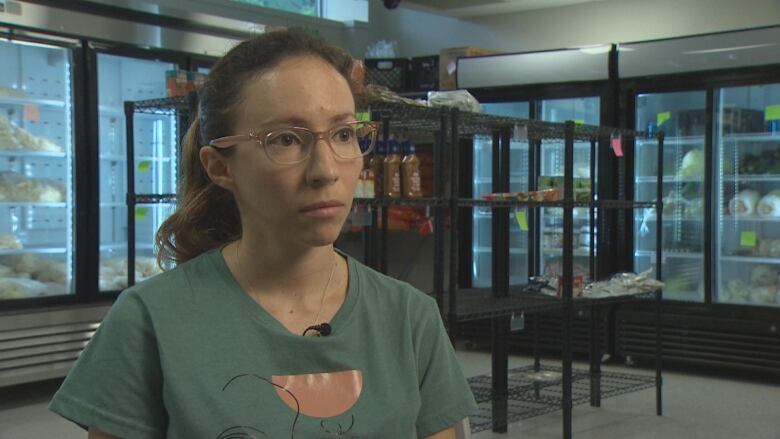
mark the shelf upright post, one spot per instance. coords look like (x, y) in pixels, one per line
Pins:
(130, 147)
(383, 233)
(500, 279)
(595, 344)
(454, 214)
(440, 142)
(568, 272)
(658, 275)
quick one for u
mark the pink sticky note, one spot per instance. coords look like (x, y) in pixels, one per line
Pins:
(617, 146)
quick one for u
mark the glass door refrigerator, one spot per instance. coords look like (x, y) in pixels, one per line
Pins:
(682, 117)
(482, 252)
(747, 164)
(125, 78)
(583, 110)
(36, 170)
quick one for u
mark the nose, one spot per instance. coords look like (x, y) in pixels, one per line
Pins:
(323, 168)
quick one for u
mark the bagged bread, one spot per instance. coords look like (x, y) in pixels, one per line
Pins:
(744, 203)
(769, 206)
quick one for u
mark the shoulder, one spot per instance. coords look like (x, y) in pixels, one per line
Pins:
(381, 287)
(173, 285)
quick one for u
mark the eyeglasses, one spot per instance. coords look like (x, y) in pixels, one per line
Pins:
(288, 146)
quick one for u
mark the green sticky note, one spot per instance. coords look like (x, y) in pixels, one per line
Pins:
(579, 121)
(772, 112)
(663, 117)
(522, 221)
(363, 116)
(145, 166)
(140, 213)
(747, 239)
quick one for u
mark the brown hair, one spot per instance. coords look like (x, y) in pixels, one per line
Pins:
(207, 215)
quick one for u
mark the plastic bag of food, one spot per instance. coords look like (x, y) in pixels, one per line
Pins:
(769, 205)
(460, 99)
(744, 203)
(17, 288)
(763, 275)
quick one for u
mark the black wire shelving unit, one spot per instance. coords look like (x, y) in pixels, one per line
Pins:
(181, 107)
(500, 302)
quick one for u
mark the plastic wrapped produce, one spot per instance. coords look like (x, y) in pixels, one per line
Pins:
(18, 288)
(768, 248)
(10, 242)
(744, 203)
(769, 206)
(763, 294)
(763, 275)
(692, 164)
(736, 291)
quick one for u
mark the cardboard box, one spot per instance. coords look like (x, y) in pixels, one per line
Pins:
(448, 62)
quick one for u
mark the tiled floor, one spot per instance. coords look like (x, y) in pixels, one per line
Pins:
(695, 407)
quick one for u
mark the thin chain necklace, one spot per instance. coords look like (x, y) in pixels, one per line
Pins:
(325, 290)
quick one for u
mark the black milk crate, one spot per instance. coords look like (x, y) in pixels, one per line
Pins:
(425, 73)
(392, 73)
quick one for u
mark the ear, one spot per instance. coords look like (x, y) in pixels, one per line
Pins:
(217, 168)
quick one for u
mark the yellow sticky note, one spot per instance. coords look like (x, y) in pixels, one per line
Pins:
(140, 213)
(747, 239)
(579, 121)
(145, 166)
(363, 116)
(772, 112)
(663, 117)
(522, 221)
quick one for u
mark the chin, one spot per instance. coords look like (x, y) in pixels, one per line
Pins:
(322, 237)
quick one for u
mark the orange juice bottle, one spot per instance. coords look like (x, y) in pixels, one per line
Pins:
(410, 170)
(392, 171)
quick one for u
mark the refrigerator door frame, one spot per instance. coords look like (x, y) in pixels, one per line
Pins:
(708, 81)
(181, 60)
(79, 279)
(607, 181)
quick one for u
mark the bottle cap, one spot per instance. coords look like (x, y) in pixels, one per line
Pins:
(392, 146)
(381, 147)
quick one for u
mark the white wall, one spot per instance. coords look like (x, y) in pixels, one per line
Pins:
(420, 33)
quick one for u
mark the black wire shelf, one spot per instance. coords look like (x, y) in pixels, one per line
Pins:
(165, 106)
(390, 202)
(482, 303)
(153, 198)
(603, 204)
(409, 117)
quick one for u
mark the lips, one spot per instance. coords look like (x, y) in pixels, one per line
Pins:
(322, 205)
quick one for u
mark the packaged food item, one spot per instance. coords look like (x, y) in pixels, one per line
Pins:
(410, 167)
(763, 275)
(578, 285)
(176, 82)
(376, 164)
(10, 242)
(769, 205)
(744, 203)
(581, 187)
(392, 171)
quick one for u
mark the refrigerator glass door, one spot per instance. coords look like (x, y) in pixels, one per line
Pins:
(36, 171)
(123, 79)
(582, 111)
(682, 117)
(483, 184)
(748, 189)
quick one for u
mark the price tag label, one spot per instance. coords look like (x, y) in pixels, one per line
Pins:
(522, 221)
(31, 112)
(579, 121)
(772, 112)
(141, 213)
(145, 166)
(747, 239)
(517, 323)
(363, 116)
(617, 146)
(663, 117)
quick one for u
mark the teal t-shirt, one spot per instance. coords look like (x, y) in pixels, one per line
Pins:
(188, 354)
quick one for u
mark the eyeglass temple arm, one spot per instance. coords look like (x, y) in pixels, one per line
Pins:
(228, 141)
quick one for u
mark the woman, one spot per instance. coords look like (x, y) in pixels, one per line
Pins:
(224, 345)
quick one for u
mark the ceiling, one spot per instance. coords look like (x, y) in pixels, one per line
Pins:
(480, 8)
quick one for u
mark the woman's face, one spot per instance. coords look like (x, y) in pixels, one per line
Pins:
(307, 202)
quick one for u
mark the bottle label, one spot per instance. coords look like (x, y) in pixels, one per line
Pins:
(415, 181)
(396, 182)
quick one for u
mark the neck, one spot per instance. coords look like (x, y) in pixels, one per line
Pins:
(273, 268)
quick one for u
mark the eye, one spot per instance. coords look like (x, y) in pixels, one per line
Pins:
(285, 139)
(344, 135)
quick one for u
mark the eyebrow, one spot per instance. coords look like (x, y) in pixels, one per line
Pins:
(296, 121)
